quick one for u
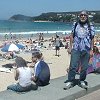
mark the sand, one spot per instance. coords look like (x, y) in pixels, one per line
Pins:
(58, 65)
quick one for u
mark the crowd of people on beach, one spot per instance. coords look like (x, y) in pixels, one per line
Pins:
(26, 79)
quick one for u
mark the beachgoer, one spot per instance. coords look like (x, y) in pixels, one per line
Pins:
(96, 58)
(6, 37)
(41, 70)
(40, 37)
(66, 46)
(12, 54)
(94, 62)
(9, 55)
(23, 74)
(81, 43)
(57, 45)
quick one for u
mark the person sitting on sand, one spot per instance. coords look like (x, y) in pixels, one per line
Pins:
(23, 74)
(9, 55)
(41, 70)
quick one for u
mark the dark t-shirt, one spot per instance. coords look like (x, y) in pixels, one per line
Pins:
(43, 71)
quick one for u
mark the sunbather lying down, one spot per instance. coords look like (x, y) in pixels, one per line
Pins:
(9, 55)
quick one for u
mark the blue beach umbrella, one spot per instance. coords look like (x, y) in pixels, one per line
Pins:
(20, 46)
(5, 48)
(12, 47)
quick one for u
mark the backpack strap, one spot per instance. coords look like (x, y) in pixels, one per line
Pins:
(74, 29)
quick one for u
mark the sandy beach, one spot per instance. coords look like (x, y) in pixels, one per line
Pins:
(58, 65)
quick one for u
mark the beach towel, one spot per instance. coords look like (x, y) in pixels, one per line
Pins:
(7, 70)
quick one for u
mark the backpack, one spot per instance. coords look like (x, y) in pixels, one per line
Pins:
(89, 27)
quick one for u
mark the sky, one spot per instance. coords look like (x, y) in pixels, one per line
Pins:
(32, 8)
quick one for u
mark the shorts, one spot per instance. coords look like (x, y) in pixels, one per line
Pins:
(57, 48)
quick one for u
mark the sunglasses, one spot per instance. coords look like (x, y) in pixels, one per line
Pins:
(83, 15)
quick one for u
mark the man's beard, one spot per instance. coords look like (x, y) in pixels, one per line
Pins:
(82, 23)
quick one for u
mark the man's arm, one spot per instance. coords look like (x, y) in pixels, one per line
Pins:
(71, 40)
(71, 43)
(16, 74)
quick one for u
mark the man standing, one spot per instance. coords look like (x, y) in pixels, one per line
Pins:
(81, 44)
(57, 45)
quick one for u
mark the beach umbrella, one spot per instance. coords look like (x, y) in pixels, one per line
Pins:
(20, 46)
(10, 47)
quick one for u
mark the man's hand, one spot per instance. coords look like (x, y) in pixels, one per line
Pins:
(31, 65)
(69, 50)
(33, 78)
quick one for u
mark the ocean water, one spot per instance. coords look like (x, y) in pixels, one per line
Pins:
(18, 27)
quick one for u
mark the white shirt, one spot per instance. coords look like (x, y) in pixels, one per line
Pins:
(35, 67)
(25, 75)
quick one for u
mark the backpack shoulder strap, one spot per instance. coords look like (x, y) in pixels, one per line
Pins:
(74, 29)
